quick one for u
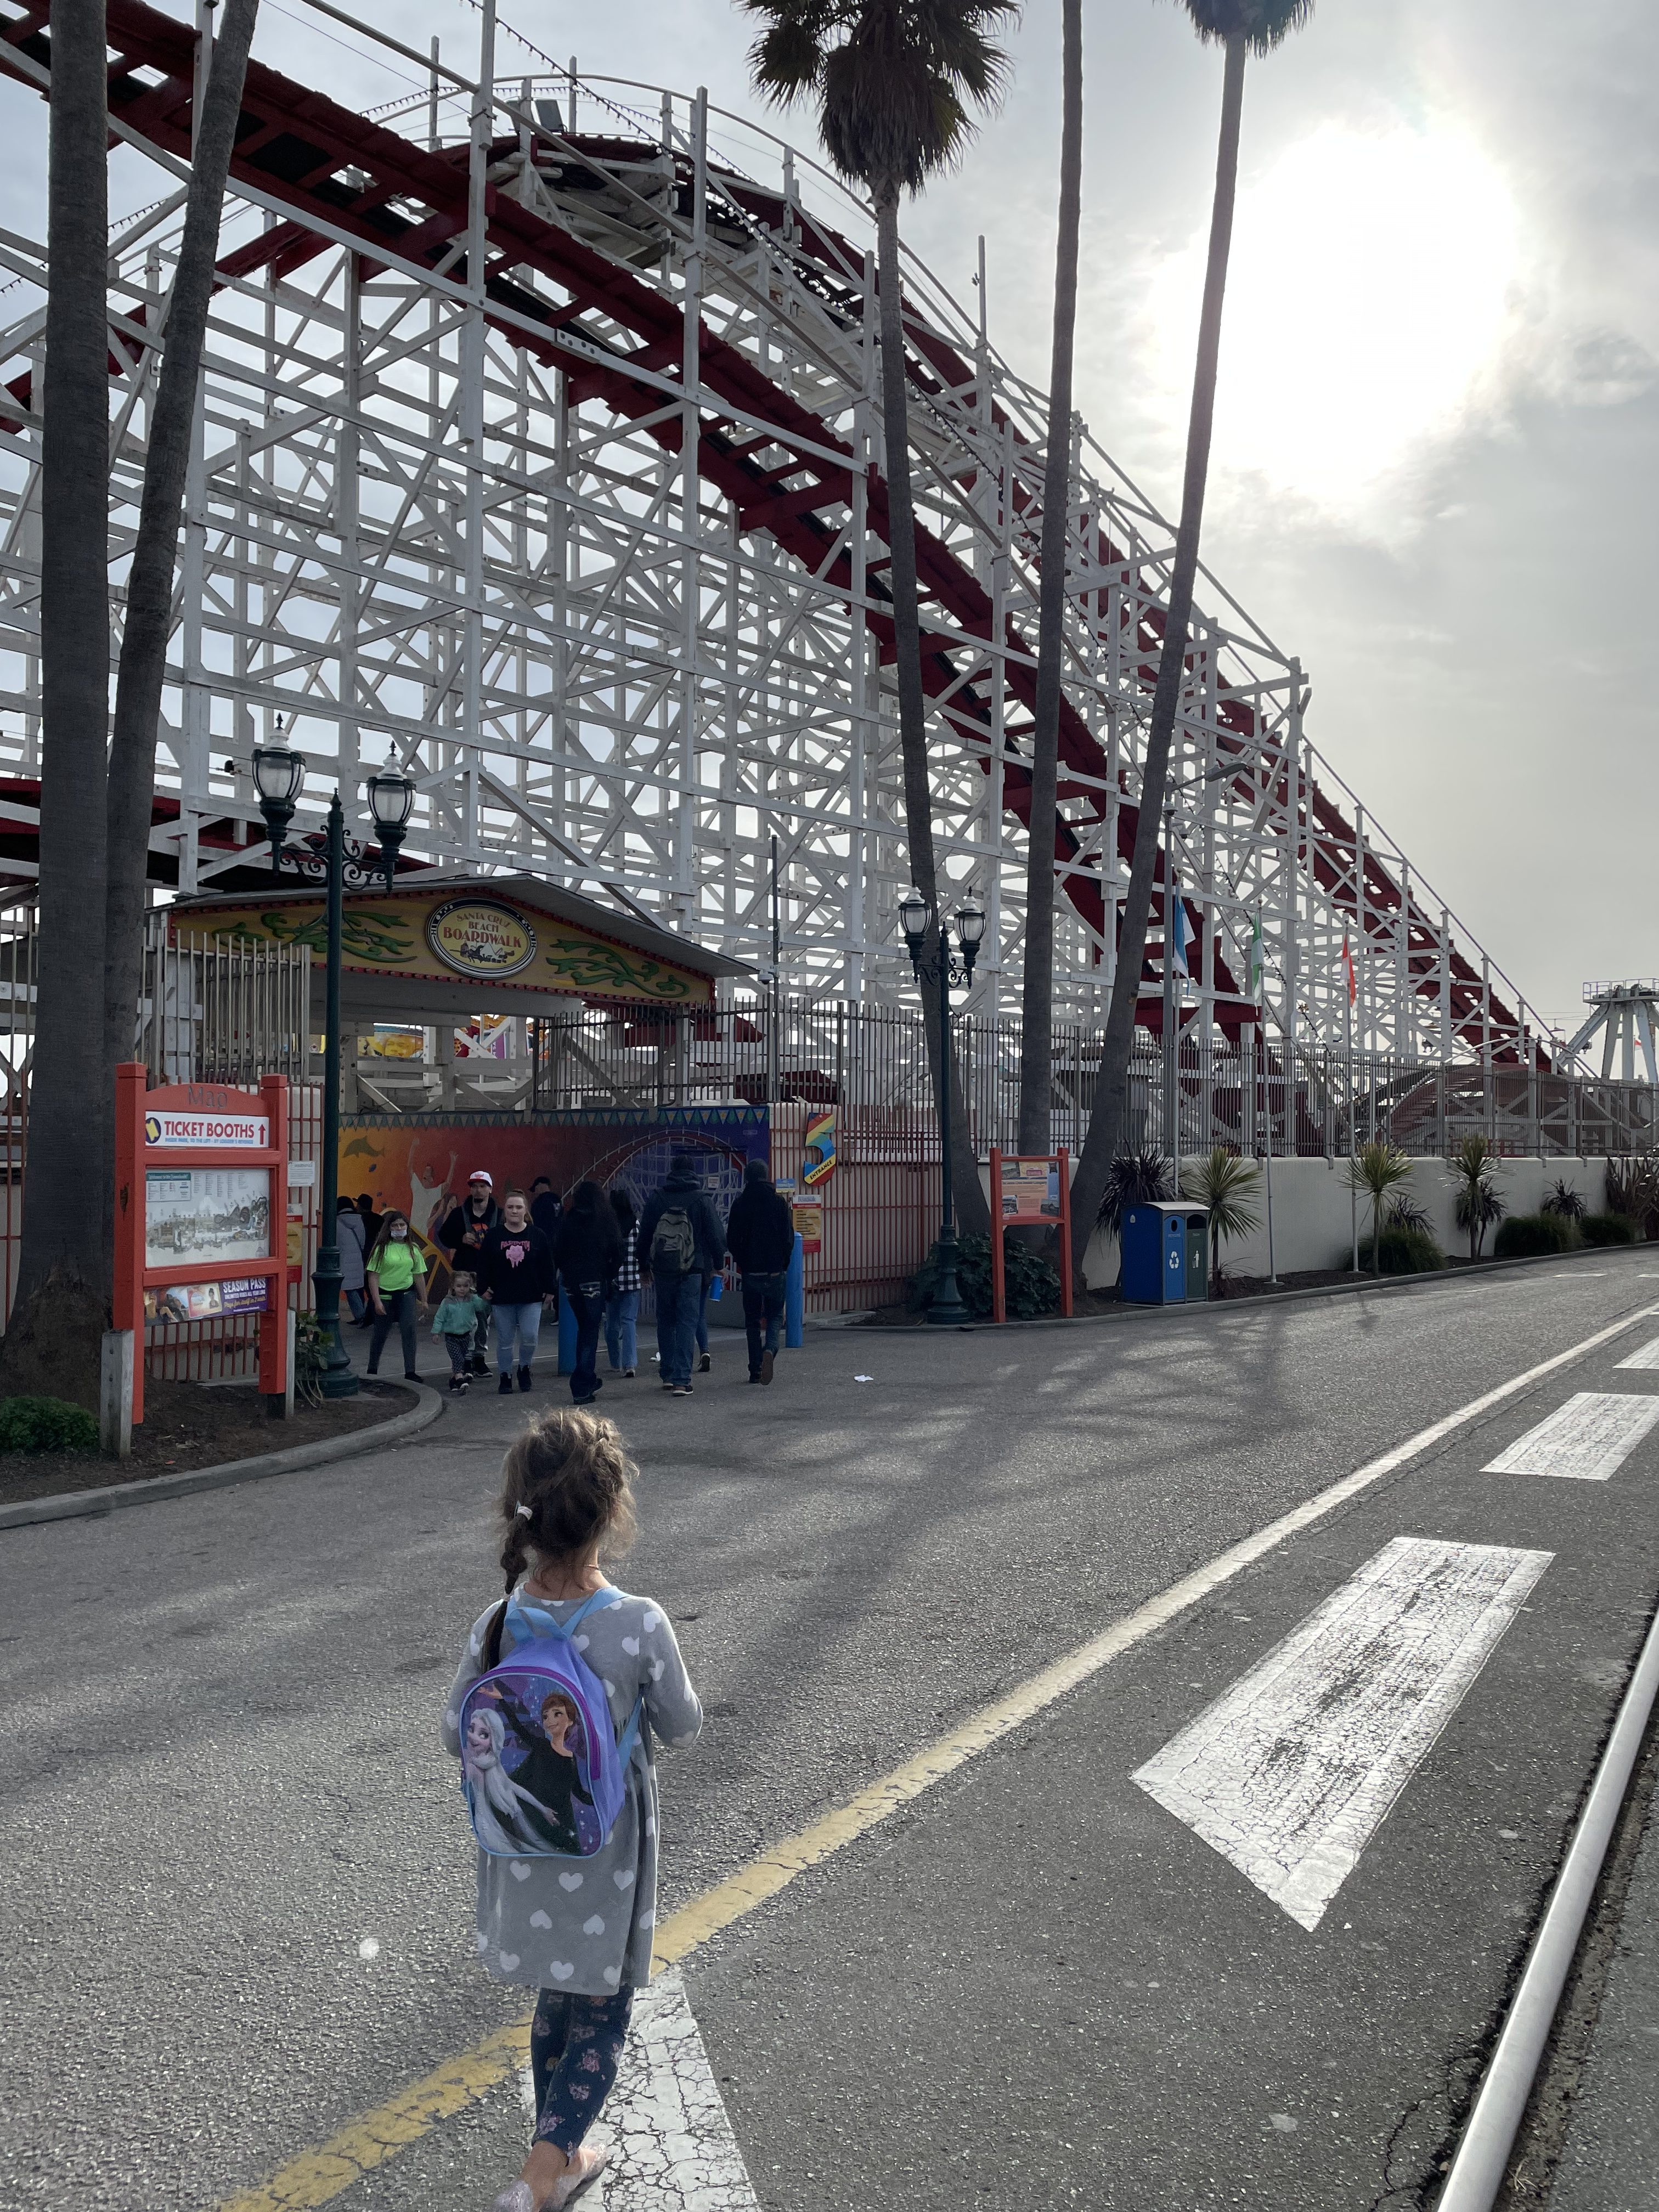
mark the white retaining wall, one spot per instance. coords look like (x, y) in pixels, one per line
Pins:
(1311, 1218)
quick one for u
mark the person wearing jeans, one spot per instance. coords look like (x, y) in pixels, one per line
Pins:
(395, 1272)
(683, 1242)
(515, 1273)
(622, 1308)
(587, 1252)
(761, 1233)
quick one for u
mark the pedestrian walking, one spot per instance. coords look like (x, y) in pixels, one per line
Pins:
(351, 1240)
(680, 1241)
(456, 1322)
(395, 1275)
(515, 1273)
(545, 1207)
(371, 1219)
(587, 1253)
(622, 1308)
(462, 1238)
(761, 1233)
(578, 1932)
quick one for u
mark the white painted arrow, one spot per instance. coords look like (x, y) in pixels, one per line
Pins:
(1587, 1440)
(672, 2146)
(1291, 1772)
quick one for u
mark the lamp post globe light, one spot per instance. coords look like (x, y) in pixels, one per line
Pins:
(390, 801)
(279, 774)
(945, 1309)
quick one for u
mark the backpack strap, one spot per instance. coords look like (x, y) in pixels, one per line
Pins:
(631, 1735)
(492, 1654)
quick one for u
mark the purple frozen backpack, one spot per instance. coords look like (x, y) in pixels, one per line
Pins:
(543, 1771)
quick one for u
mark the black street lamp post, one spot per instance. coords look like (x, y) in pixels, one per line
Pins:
(278, 776)
(945, 1309)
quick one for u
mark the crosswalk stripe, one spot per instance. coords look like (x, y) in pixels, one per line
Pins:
(1648, 1356)
(675, 2150)
(1587, 1440)
(1289, 1773)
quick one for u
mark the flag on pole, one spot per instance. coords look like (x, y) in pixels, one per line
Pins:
(1178, 932)
(1348, 969)
(1256, 960)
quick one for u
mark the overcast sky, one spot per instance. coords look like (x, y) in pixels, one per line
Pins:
(1439, 418)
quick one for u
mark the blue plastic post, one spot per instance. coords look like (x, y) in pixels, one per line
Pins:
(794, 1299)
(567, 1334)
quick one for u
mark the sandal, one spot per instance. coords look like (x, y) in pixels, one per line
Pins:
(585, 2168)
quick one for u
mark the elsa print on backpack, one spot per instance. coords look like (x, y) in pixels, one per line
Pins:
(566, 1688)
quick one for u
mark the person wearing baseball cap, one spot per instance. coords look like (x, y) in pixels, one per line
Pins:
(464, 1229)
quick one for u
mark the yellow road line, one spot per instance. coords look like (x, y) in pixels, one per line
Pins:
(316, 2177)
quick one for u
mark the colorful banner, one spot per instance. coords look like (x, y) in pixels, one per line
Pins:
(818, 1147)
(422, 1165)
(177, 1302)
(1030, 1190)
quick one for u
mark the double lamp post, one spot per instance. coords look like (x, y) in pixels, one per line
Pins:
(941, 967)
(278, 777)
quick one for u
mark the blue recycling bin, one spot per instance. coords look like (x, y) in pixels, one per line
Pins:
(1157, 1238)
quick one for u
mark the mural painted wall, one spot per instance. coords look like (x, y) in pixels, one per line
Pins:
(441, 935)
(422, 1165)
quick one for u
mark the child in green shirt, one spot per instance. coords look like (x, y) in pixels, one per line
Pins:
(455, 1319)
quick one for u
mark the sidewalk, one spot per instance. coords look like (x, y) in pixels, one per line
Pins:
(1610, 2162)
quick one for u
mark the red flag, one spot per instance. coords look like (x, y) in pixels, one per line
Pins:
(1348, 964)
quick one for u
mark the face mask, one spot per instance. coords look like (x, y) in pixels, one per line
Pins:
(398, 1236)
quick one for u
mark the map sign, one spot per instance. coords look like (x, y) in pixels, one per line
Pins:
(214, 1214)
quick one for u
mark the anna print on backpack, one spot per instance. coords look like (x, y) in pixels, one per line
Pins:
(564, 1689)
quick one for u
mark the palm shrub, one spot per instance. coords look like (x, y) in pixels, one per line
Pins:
(1632, 1188)
(1226, 1184)
(1375, 1170)
(1564, 1200)
(1135, 1178)
(1477, 1206)
(1404, 1213)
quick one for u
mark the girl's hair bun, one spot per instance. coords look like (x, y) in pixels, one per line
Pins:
(568, 1485)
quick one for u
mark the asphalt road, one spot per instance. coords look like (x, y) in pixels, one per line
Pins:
(240, 1879)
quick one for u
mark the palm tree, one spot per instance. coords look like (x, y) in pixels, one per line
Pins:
(60, 1297)
(1242, 27)
(897, 82)
(1037, 1005)
(1375, 1170)
(1477, 1204)
(1135, 1178)
(149, 582)
(1226, 1184)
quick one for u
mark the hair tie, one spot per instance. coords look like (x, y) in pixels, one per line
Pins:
(523, 1513)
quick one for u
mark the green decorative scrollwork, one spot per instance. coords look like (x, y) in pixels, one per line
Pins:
(583, 965)
(383, 938)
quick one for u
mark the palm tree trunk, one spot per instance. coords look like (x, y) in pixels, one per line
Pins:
(1037, 1003)
(1110, 1098)
(972, 1211)
(150, 585)
(68, 1167)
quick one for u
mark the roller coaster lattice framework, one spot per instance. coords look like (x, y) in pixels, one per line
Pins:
(540, 450)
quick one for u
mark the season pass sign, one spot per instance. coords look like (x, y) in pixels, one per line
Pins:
(481, 937)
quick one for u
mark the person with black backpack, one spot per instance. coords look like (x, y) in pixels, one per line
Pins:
(681, 1241)
(761, 1233)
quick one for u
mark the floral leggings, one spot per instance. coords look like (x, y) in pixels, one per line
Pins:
(575, 2047)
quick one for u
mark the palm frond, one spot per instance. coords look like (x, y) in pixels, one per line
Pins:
(1376, 1168)
(1224, 1184)
(1263, 24)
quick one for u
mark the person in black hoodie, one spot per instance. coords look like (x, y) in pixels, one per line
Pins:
(680, 1241)
(587, 1252)
(461, 1239)
(761, 1235)
(515, 1273)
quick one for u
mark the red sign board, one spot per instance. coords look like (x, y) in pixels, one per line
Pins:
(200, 1231)
(1036, 1190)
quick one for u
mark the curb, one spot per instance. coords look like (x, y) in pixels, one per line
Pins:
(77, 1505)
(1385, 1284)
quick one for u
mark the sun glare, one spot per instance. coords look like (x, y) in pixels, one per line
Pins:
(1367, 298)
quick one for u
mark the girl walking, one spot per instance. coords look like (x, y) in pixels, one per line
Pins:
(622, 1308)
(515, 1273)
(587, 1253)
(576, 1930)
(395, 1272)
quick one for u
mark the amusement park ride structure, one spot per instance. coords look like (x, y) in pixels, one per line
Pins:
(539, 455)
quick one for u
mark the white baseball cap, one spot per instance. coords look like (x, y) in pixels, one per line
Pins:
(481, 1174)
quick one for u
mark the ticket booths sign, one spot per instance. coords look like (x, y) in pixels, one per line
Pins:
(200, 1180)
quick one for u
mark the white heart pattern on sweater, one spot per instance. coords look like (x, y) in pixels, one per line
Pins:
(571, 1882)
(631, 1646)
(625, 1879)
(520, 1871)
(652, 1620)
(540, 1920)
(561, 1969)
(593, 1926)
(509, 1959)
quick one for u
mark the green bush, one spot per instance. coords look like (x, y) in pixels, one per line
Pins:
(1031, 1282)
(1608, 1229)
(45, 1424)
(1531, 1235)
(1404, 1251)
